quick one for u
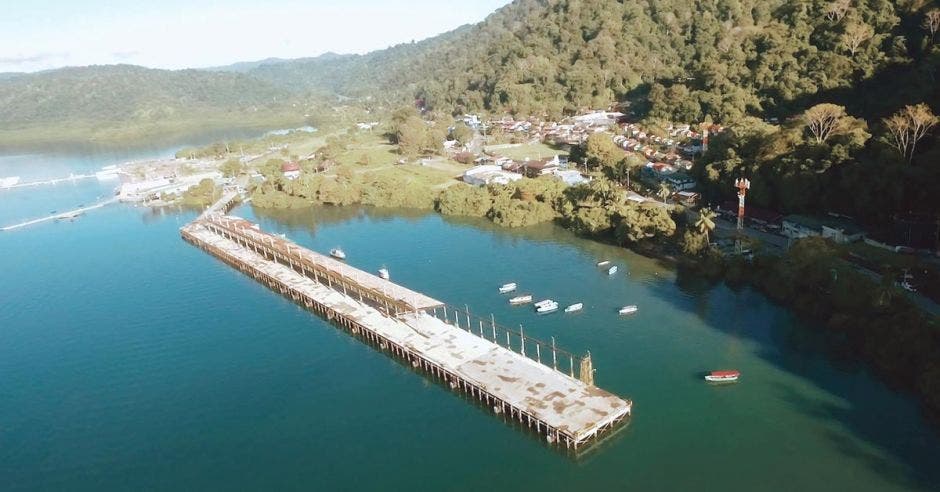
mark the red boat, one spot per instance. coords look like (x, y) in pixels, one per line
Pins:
(723, 376)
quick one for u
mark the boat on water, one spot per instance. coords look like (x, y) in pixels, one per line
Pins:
(515, 301)
(574, 308)
(338, 254)
(545, 302)
(612, 270)
(383, 272)
(603, 263)
(629, 309)
(723, 376)
(550, 307)
(507, 288)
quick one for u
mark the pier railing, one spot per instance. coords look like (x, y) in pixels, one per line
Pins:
(545, 353)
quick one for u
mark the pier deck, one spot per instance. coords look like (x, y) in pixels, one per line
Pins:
(566, 410)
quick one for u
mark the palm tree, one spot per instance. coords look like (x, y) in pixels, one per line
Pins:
(706, 222)
(664, 191)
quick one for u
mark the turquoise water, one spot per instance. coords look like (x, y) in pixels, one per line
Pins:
(131, 360)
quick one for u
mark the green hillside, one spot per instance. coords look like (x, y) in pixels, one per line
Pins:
(119, 102)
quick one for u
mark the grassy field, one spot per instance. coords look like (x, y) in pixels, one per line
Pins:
(531, 151)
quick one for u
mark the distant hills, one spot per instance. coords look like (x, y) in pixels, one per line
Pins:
(118, 102)
(672, 59)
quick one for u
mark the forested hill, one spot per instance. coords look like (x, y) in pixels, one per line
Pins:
(738, 62)
(128, 93)
(722, 58)
(125, 102)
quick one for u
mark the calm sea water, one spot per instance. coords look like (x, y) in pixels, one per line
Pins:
(131, 360)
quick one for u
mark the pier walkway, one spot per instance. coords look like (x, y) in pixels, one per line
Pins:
(71, 214)
(71, 177)
(490, 363)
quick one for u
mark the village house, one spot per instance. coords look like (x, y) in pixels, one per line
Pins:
(687, 198)
(290, 170)
(488, 174)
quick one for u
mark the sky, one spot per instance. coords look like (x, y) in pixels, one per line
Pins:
(44, 34)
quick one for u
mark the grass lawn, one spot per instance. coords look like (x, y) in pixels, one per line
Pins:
(531, 151)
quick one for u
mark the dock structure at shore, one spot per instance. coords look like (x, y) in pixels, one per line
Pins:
(529, 381)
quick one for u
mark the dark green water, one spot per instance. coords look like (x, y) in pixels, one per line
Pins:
(131, 360)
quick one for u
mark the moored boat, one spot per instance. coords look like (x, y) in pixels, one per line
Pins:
(507, 288)
(338, 254)
(723, 376)
(545, 302)
(603, 263)
(525, 299)
(574, 307)
(612, 270)
(383, 272)
(547, 308)
(629, 309)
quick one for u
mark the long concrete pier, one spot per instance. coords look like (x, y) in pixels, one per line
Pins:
(520, 378)
(71, 214)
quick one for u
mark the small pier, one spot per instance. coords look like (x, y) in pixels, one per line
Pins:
(71, 214)
(69, 178)
(523, 379)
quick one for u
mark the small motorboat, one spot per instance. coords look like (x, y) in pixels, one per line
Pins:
(603, 263)
(547, 308)
(507, 288)
(723, 376)
(383, 272)
(338, 254)
(629, 309)
(612, 270)
(515, 301)
(545, 303)
(574, 308)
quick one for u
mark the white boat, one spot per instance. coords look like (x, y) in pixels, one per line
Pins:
(338, 254)
(383, 272)
(545, 303)
(603, 263)
(612, 270)
(629, 309)
(507, 288)
(574, 307)
(723, 376)
(547, 308)
(515, 301)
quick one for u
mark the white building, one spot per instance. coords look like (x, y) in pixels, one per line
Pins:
(489, 174)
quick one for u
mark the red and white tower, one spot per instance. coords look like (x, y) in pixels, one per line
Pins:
(742, 185)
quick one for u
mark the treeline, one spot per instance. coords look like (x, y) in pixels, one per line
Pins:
(598, 209)
(678, 60)
(825, 160)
